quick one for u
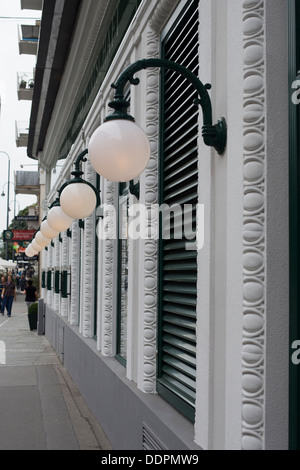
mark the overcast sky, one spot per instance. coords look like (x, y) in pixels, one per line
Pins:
(11, 62)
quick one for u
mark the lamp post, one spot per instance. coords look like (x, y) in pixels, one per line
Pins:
(7, 211)
(14, 201)
(119, 150)
(8, 202)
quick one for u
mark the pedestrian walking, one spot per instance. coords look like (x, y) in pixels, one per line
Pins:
(31, 294)
(2, 281)
(22, 283)
(8, 295)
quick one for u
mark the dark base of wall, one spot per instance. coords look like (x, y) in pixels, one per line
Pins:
(131, 419)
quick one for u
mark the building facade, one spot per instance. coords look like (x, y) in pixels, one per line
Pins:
(177, 330)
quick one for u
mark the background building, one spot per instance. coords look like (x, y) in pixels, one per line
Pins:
(174, 348)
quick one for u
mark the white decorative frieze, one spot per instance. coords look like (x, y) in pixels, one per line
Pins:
(161, 14)
(89, 266)
(107, 320)
(148, 381)
(75, 272)
(253, 353)
(50, 266)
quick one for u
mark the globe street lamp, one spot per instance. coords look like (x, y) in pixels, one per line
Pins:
(119, 149)
(78, 198)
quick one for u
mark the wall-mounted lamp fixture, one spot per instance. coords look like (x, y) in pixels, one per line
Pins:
(47, 231)
(57, 219)
(119, 149)
(42, 240)
(78, 198)
(30, 251)
(36, 247)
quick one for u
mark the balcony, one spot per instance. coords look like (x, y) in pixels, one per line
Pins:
(27, 182)
(31, 4)
(25, 86)
(22, 130)
(28, 38)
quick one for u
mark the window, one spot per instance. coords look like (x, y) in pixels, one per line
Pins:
(179, 188)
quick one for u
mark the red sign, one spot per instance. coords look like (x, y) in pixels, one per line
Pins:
(23, 235)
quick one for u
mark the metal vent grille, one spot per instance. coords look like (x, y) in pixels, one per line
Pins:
(178, 295)
(150, 441)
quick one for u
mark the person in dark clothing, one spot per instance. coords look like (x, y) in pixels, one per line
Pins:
(1, 300)
(8, 295)
(31, 294)
(22, 282)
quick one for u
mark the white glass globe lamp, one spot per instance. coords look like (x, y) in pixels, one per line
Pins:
(29, 252)
(78, 199)
(42, 240)
(35, 246)
(119, 150)
(47, 231)
(58, 220)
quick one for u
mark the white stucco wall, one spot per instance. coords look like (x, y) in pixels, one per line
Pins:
(242, 329)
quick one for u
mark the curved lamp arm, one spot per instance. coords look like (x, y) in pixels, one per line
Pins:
(77, 173)
(213, 135)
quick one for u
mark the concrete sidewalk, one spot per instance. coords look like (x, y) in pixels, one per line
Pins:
(40, 407)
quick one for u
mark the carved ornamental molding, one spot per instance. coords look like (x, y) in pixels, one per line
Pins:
(253, 365)
(148, 381)
(74, 310)
(89, 265)
(107, 333)
(159, 18)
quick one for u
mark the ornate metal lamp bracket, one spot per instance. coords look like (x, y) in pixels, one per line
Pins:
(214, 135)
(77, 173)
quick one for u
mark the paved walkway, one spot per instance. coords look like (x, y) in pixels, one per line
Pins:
(40, 407)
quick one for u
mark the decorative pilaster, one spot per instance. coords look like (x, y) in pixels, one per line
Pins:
(56, 299)
(254, 236)
(107, 320)
(89, 265)
(161, 13)
(50, 268)
(74, 311)
(65, 267)
(147, 376)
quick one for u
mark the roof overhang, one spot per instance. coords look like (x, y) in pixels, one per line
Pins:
(57, 28)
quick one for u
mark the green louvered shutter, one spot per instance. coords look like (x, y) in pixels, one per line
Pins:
(294, 369)
(179, 185)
